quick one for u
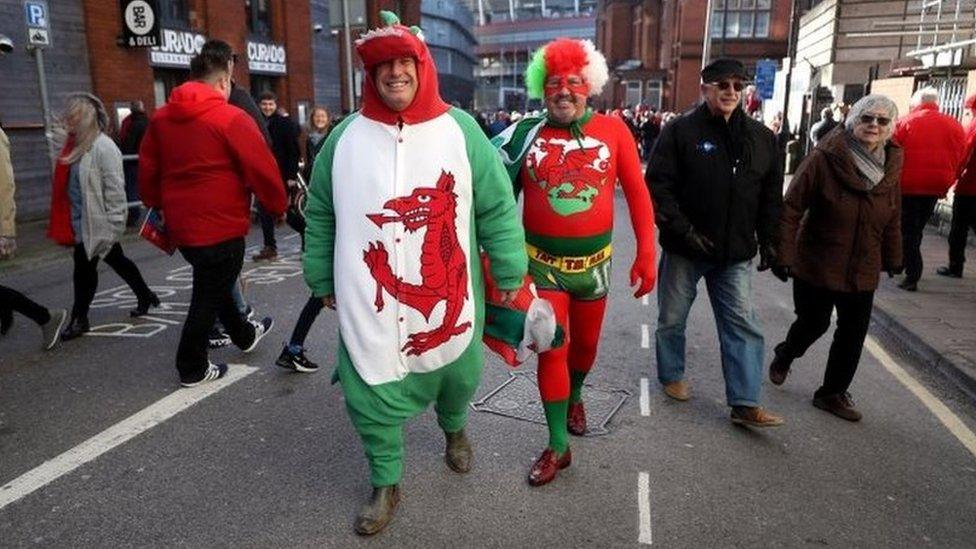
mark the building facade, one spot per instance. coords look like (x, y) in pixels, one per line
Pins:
(447, 26)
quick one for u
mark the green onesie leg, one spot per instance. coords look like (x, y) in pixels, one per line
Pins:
(556, 414)
(576, 386)
(457, 387)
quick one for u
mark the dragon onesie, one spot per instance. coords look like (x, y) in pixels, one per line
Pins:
(399, 204)
(567, 172)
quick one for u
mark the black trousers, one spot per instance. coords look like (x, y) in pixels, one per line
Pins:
(813, 307)
(13, 301)
(215, 271)
(267, 227)
(86, 277)
(963, 219)
(310, 312)
(915, 213)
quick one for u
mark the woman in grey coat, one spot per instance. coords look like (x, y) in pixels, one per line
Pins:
(96, 192)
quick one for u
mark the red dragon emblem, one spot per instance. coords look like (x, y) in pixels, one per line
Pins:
(571, 177)
(444, 268)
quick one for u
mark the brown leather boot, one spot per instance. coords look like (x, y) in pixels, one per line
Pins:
(841, 405)
(677, 390)
(545, 468)
(754, 416)
(458, 453)
(375, 515)
(267, 253)
(576, 419)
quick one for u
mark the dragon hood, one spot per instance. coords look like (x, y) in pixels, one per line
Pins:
(393, 41)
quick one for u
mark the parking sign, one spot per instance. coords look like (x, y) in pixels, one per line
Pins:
(38, 22)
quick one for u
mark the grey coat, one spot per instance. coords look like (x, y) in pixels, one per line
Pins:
(102, 197)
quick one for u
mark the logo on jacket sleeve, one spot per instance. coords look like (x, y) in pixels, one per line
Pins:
(706, 147)
(445, 267)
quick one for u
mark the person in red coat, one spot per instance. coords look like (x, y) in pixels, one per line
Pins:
(199, 162)
(964, 201)
(934, 144)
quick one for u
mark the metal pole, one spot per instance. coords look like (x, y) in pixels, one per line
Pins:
(707, 42)
(725, 25)
(791, 53)
(350, 90)
(45, 106)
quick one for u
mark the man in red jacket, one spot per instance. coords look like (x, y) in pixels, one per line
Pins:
(964, 201)
(934, 144)
(198, 164)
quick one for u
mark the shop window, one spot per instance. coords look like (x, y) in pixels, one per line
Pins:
(174, 13)
(261, 84)
(258, 14)
(652, 97)
(164, 81)
(741, 19)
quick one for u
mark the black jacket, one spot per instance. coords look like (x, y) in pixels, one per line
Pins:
(311, 151)
(284, 143)
(135, 129)
(243, 100)
(723, 179)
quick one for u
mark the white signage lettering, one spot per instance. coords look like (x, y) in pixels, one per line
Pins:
(268, 58)
(176, 49)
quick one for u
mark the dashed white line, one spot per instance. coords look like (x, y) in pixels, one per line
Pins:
(938, 409)
(645, 398)
(644, 300)
(645, 337)
(644, 507)
(118, 434)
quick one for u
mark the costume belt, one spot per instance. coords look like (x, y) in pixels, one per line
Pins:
(569, 264)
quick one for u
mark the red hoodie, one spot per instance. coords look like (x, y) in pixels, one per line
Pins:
(199, 162)
(934, 144)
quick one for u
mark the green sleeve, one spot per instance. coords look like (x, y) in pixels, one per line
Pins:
(498, 228)
(318, 256)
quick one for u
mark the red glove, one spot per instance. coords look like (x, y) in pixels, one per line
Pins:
(644, 270)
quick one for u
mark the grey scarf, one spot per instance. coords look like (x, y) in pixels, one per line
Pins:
(315, 137)
(871, 165)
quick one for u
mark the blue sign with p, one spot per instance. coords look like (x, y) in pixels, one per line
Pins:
(36, 14)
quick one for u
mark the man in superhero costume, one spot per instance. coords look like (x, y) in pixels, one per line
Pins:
(403, 193)
(567, 163)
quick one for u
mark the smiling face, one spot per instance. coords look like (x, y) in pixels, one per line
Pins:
(396, 82)
(872, 128)
(566, 97)
(723, 96)
(268, 107)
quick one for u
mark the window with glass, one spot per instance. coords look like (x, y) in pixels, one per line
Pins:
(174, 13)
(258, 14)
(632, 93)
(652, 97)
(741, 18)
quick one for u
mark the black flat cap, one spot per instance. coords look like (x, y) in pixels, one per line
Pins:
(723, 67)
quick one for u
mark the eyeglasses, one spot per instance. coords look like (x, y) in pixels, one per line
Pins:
(868, 119)
(726, 84)
(560, 81)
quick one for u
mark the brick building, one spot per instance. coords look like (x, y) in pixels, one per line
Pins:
(654, 47)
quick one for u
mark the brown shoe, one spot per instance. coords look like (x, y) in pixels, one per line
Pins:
(576, 419)
(841, 405)
(457, 453)
(779, 368)
(545, 468)
(677, 390)
(375, 515)
(267, 253)
(754, 416)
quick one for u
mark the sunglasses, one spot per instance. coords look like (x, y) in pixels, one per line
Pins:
(726, 84)
(868, 119)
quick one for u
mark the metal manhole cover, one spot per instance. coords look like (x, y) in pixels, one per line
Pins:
(518, 398)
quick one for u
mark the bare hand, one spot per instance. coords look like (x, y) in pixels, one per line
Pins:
(508, 296)
(329, 301)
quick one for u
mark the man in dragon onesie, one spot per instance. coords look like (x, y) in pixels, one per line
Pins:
(403, 193)
(567, 163)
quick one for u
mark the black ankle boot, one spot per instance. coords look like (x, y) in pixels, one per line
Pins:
(76, 328)
(143, 307)
(779, 368)
(377, 514)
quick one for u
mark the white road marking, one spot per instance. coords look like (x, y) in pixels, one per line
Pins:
(116, 435)
(644, 507)
(645, 337)
(938, 409)
(644, 300)
(645, 399)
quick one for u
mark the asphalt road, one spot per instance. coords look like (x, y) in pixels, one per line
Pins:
(271, 460)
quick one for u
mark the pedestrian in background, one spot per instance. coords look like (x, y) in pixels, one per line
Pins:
(933, 145)
(826, 123)
(716, 179)
(130, 137)
(284, 134)
(319, 124)
(963, 201)
(840, 228)
(199, 162)
(11, 300)
(88, 209)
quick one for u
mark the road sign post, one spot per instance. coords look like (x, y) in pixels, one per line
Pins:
(38, 23)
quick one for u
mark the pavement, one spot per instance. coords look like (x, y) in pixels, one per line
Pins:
(101, 447)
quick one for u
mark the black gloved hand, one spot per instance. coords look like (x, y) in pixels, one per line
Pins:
(781, 272)
(892, 271)
(699, 243)
(767, 257)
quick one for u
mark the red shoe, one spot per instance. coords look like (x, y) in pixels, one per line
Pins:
(576, 419)
(545, 468)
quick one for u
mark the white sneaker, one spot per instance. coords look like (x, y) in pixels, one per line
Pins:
(51, 332)
(261, 329)
(213, 373)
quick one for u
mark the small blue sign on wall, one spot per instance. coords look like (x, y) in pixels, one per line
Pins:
(766, 77)
(36, 14)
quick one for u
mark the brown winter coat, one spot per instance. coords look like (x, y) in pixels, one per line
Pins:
(834, 233)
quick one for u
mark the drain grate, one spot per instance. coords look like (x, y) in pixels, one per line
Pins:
(518, 398)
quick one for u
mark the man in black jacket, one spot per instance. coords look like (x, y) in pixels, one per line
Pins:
(716, 179)
(130, 137)
(284, 134)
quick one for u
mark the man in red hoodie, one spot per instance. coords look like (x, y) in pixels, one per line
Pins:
(199, 163)
(934, 144)
(963, 201)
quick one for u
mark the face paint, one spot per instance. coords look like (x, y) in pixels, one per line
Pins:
(573, 82)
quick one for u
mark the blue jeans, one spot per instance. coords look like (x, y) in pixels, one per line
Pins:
(739, 333)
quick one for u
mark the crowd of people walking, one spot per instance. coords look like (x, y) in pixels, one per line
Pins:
(424, 196)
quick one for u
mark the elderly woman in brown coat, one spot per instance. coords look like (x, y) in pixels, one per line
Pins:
(840, 228)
